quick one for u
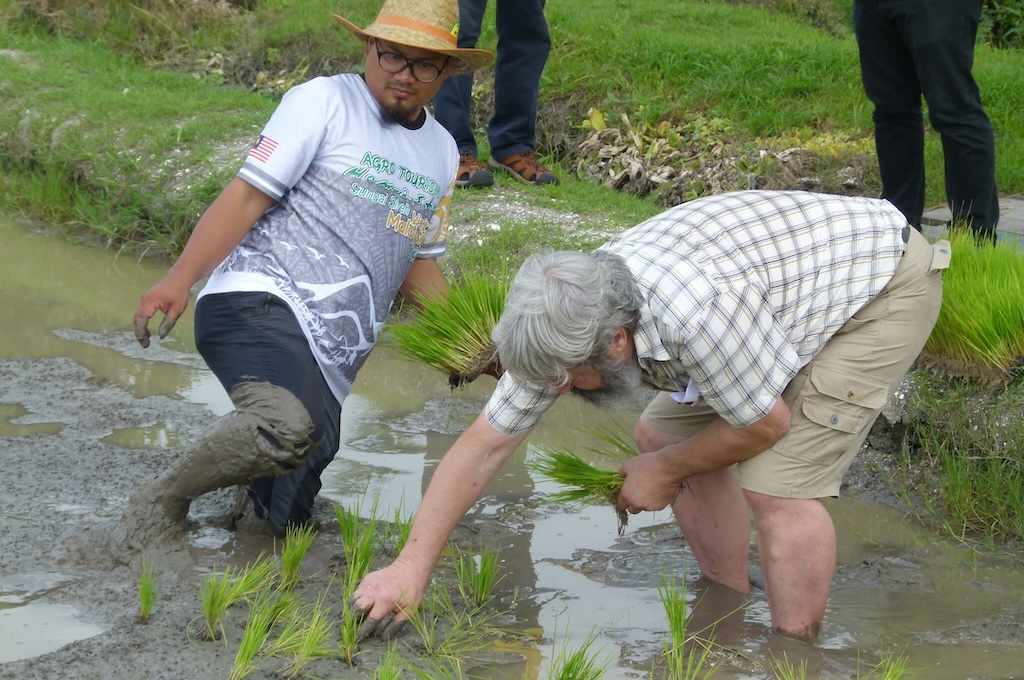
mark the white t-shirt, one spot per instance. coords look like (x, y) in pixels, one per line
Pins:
(360, 196)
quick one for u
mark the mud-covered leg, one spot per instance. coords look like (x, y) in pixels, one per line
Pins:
(267, 435)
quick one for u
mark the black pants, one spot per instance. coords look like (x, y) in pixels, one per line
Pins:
(915, 48)
(254, 337)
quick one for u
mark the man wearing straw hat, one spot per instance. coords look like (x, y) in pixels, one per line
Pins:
(774, 326)
(342, 202)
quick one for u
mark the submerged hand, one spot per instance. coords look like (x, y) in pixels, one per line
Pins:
(393, 591)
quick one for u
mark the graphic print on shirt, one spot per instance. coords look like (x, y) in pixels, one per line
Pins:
(361, 207)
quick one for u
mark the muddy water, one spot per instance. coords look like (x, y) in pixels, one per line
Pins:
(567, 575)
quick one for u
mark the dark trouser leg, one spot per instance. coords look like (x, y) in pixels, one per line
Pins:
(890, 82)
(944, 52)
(454, 100)
(523, 47)
(914, 47)
(254, 337)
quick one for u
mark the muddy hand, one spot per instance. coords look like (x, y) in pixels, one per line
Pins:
(364, 605)
(142, 333)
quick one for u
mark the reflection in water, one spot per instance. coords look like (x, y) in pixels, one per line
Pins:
(898, 588)
(160, 436)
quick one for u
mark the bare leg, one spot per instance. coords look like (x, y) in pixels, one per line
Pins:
(797, 544)
(713, 515)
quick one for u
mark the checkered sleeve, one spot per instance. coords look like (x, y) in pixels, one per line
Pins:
(516, 407)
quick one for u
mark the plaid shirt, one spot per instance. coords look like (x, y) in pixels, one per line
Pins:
(741, 290)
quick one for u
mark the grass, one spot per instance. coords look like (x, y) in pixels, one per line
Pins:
(584, 482)
(975, 441)
(187, 86)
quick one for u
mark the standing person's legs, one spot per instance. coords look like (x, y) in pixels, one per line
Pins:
(453, 102)
(522, 51)
(942, 35)
(834, 401)
(255, 337)
(890, 82)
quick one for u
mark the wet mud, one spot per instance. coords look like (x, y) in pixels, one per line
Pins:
(87, 417)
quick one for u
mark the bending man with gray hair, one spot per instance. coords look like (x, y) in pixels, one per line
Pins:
(774, 325)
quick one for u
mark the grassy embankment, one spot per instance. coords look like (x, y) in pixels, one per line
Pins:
(121, 121)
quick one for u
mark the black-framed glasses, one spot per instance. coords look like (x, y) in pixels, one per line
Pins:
(423, 71)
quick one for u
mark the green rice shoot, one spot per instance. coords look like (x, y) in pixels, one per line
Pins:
(980, 331)
(305, 637)
(453, 334)
(297, 542)
(585, 484)
(147, 590)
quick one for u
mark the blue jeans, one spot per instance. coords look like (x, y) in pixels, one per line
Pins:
(522, 51)
(254, 337)
(915, 48)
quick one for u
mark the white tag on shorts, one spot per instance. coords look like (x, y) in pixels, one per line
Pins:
(689, 396)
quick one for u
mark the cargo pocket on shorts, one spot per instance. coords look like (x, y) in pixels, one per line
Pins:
(839, 407)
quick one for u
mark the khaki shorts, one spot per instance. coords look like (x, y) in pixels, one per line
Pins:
(836, 398)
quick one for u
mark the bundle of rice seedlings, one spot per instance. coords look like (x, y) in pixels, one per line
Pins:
(453, 334)
(585, 484)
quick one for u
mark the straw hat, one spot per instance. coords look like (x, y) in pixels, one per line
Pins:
(426, 24)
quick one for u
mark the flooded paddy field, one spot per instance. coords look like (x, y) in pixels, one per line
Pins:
(86, 414)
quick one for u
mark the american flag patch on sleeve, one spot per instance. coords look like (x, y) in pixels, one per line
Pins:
(263, 149)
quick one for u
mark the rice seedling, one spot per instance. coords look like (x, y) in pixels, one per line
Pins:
(297, 541)
(219, 592)
(680, 663)
(438, 668)
(890, 667)
(453, 334)
(445, 630)
(785, 669)
(389, 667)
(358, 537)
(401, 525)
(582, 663)
(586, 483)
(980, 330)
(268, 607)
(476, 574)
(147, 590)
(303, 638)
(348, 632)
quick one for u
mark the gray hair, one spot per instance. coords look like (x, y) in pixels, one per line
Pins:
(564, 309)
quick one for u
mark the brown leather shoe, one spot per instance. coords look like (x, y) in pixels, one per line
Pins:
(526, 168)
(472, 173)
